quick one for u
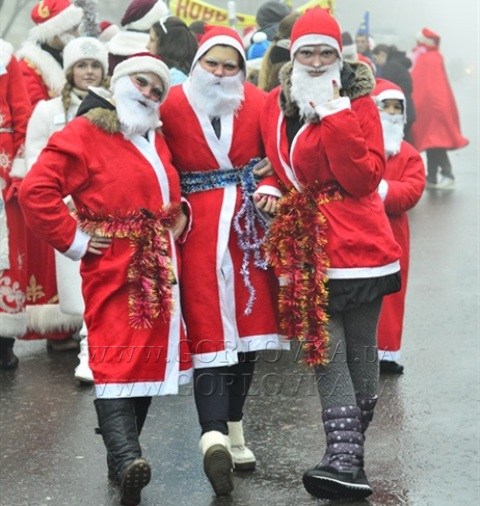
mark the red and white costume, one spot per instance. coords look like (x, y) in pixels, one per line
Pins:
(88, 156)
(400, 189)
(15, 110)
(44, 77)
(214, 294)
(359, 239)
(405, 176)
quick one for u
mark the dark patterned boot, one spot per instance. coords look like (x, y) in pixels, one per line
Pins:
(340, 474)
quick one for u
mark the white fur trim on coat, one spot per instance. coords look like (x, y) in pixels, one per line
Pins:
(49, 68)
(63, 22)
(47, 318)
(13, 324)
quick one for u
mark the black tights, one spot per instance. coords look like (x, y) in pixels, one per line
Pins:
(438, 157)
(220, 392)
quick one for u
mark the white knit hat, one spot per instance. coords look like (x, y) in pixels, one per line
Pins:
(143, 62)
(85, 48)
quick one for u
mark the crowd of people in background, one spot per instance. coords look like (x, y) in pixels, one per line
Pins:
(184, 189)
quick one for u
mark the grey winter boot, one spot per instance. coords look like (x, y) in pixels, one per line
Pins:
(118, 426)
(340, 473)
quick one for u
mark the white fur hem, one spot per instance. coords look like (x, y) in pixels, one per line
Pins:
(364, 272)
(13, 325)
(48, 318)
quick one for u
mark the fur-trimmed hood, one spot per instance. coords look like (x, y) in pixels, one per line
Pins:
(98, 107)
(357, 80)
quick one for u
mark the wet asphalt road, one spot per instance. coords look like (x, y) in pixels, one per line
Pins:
(422, 447)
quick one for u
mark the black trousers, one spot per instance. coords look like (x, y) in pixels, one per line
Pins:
(438, 158)
(220, 392)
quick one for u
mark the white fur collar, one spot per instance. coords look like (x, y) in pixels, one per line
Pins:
(49, 68)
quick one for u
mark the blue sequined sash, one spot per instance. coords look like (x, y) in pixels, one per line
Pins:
(247, 222)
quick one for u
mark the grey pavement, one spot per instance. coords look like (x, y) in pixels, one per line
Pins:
(422, 447)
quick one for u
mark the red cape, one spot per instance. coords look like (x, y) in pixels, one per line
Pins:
(437, 124)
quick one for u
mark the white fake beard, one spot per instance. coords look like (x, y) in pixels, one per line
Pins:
(392, 132)
(216, 96)
(136, 113)
(319, 89)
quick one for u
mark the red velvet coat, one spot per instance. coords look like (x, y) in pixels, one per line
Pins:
(405, 175)
(111, 176)
(345, 148)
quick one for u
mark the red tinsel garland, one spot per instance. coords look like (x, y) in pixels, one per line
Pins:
(296, 248)
(150, 273)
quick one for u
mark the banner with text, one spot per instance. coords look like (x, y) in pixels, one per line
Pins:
(194, 10)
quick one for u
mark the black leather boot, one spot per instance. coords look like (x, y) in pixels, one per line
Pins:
(8, 359)
(118, 426)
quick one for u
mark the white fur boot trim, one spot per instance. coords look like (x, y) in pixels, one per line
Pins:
(243, 458)
(83, 372)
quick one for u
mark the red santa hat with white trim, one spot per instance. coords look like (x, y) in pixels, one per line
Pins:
(220, 35)
(141, 15)
(386, 90)
(316, 26)
(428, 38)
(53, 17)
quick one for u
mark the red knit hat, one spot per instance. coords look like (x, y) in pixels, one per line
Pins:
(429, 37)
(315, 27)
(215, 35)
(143, 14)
(386, 90)
(53, 17)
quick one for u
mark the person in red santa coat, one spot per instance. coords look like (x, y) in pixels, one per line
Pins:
(127, 221)
(40, 60)
(228, 292)
(437, 126)
(15, 110)
(401, 187)
(330, 239)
